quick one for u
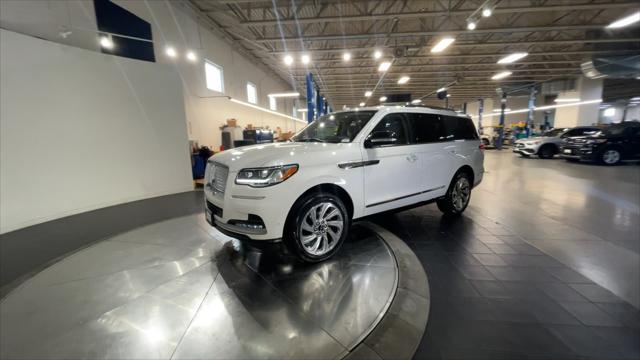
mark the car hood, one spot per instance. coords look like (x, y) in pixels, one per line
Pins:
(283, 153)
(537, 138)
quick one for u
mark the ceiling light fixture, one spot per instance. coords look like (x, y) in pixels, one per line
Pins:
(288, 60)
(368, 93)
(486, 12)
(106, 42)
(499, 110)
(305, 59)
(403, 80)
(512, 58)
(567, 100)
(416, 101)
(377, 54)
(171, 52)
(289, 94)
(442, 44)
(191, 56)
(471, 25)
(384, 66)
(383, 99)
(501, 75)
(441, 89)
(361, 104)
(346, 56)
(625, 21)
(302, 110)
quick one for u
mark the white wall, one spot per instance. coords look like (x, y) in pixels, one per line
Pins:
(587, 114)
(172, 24)
(81, 130)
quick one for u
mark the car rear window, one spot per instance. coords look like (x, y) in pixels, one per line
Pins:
(459, 128)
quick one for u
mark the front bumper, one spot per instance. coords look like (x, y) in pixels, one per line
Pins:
(586, 153)
(247, 213)
(526, 149)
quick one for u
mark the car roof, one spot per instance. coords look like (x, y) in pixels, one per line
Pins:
(407, 108)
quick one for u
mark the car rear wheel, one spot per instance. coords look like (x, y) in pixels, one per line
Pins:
(458, 195)
(319, 227)
(610, 156)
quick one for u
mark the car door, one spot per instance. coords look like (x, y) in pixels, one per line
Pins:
(428, 134)
(631, 143)
(392, 177)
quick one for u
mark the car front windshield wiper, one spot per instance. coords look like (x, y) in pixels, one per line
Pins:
(310, 140)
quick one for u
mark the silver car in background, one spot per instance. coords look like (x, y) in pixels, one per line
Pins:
(548, 144)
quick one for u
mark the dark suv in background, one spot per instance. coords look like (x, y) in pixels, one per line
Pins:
(615, 143)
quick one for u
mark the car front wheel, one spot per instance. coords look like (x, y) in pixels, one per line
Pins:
(458, 195)
(610, 156)
(319, 227)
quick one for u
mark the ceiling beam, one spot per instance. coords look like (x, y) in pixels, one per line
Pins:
(466, 45)
(429, 14)
(361, 36)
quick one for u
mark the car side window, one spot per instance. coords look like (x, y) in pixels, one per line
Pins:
(425, 128)
(392, 126)
(459, 128)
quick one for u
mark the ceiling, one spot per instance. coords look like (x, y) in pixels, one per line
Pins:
(558, 35)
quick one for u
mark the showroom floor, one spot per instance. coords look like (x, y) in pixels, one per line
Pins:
(543, 264)
(179, 289)
(523, 273)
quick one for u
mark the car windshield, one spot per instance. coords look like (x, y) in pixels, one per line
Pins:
(553, 132)
(615, 130)
(335, 128)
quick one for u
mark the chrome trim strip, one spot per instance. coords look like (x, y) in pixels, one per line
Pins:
(247, 197)
(406, 196)
(239, 229)
(357, 164)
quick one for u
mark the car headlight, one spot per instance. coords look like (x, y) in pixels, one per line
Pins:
(266, 176)
(595, 141)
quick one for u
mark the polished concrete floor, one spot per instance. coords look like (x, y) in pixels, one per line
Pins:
(179, 289)
(543, 264)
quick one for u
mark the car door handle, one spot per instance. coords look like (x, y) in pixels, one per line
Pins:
(412, 157)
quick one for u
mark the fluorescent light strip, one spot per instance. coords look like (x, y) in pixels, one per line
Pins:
(512, 58)
(442, 44)
(547, 107)
(625, 21)
(291, 94)
(501, 75)
(567, 100)
(265, 110)
(384, 66)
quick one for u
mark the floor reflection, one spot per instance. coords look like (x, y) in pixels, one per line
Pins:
(172, 290)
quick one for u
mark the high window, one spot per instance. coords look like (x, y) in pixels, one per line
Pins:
(252, 93)
(213, 76)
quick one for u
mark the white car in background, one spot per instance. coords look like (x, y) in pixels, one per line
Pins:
(342, 167)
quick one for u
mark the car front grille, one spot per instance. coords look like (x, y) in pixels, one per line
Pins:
(219, 174)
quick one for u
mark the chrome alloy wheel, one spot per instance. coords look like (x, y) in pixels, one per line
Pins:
(461, 193)
(321, 228)
(611, 156)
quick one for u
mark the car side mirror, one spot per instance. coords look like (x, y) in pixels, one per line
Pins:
(381, 138)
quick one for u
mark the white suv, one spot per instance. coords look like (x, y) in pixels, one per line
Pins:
(341, 167)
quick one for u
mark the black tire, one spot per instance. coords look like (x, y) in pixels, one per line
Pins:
(294, 231)
(610, 156)
(486, 142)
(547, 151)
(447, 204)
